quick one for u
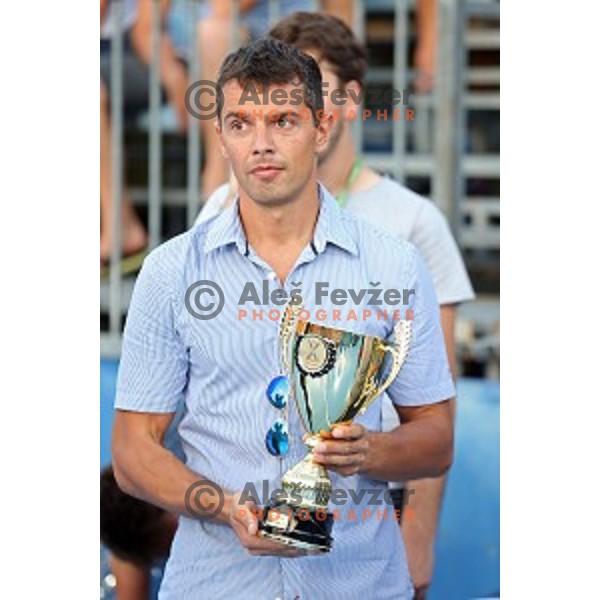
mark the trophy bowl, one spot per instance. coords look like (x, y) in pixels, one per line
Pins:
(334, 375)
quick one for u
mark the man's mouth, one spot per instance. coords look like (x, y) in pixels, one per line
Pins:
(266, 171)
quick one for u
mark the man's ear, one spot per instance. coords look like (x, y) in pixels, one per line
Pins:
(324, 127)
(353, 97)
(218, 131)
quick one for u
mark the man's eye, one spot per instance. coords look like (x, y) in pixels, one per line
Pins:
(237, 124)
(284, 122)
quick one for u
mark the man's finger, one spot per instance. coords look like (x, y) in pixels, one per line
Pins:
(341, 447)
(346, 471)
(245, 515)
(339, 460)
(252, 528)
(266, 546)
(284, 552)
(348, 432)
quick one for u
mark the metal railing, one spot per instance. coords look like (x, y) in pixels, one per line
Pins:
(441, 129)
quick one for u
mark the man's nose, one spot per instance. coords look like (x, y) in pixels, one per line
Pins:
(263, 140)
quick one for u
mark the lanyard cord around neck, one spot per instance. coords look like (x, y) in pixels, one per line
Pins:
(342, 197)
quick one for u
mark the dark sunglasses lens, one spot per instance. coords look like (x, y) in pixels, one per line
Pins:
(278, 391)
(277, 440)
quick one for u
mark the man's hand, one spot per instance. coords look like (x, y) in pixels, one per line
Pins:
(346, 452)
(244, 523)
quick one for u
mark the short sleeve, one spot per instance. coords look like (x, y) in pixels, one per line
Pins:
(153, 370)
(432, 236)
(425, 377)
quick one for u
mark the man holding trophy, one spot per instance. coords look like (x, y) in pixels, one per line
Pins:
(259, 393)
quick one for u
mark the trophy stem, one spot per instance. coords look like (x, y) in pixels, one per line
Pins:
(307, 483)
(301, 519)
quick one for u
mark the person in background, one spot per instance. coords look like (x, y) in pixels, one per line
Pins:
(342, 9)
(391, 206)
(137, 534)
(425, 51)
(135, 28)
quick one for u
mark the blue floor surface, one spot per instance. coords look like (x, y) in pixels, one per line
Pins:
(468, 546)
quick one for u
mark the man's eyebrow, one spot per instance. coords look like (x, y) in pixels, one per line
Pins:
(286, 112)
(236, 114)
(268, 115)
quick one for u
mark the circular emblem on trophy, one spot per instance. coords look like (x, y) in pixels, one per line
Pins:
(315, 355)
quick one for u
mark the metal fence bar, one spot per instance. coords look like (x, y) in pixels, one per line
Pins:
(422, 124)
(235, 24)
(116, 113)
(155, 158)
(358, 15)
(400, 84)
(274, 12)
(448, 137)
(193, 142)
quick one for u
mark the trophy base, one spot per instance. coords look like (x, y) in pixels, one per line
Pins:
(298, 528)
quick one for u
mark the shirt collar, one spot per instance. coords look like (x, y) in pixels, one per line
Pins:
(227, 229)
(331, 225)
(331, 228)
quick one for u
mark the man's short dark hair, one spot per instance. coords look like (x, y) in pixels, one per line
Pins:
(269, 62)
(131, 529)
(329, 38)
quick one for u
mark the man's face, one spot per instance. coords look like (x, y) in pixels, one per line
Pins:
(272, 147)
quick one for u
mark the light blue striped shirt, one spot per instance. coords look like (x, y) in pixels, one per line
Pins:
(220, 369)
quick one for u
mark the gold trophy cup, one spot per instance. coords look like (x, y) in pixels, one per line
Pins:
(333, 375)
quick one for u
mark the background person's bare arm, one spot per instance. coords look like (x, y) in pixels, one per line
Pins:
(342, 9)
(222, 8)
(103, 10)
(419, 531)
(425, 51)
(173, 75)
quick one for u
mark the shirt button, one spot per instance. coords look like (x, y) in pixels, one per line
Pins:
(271, 277)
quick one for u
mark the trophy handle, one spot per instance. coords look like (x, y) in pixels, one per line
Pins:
(398, 350)
(287, 330)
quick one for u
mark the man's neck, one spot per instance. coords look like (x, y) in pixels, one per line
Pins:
(278, 234)
(334, 172)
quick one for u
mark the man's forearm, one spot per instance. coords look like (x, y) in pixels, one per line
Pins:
(148, 471)
(418, 449)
